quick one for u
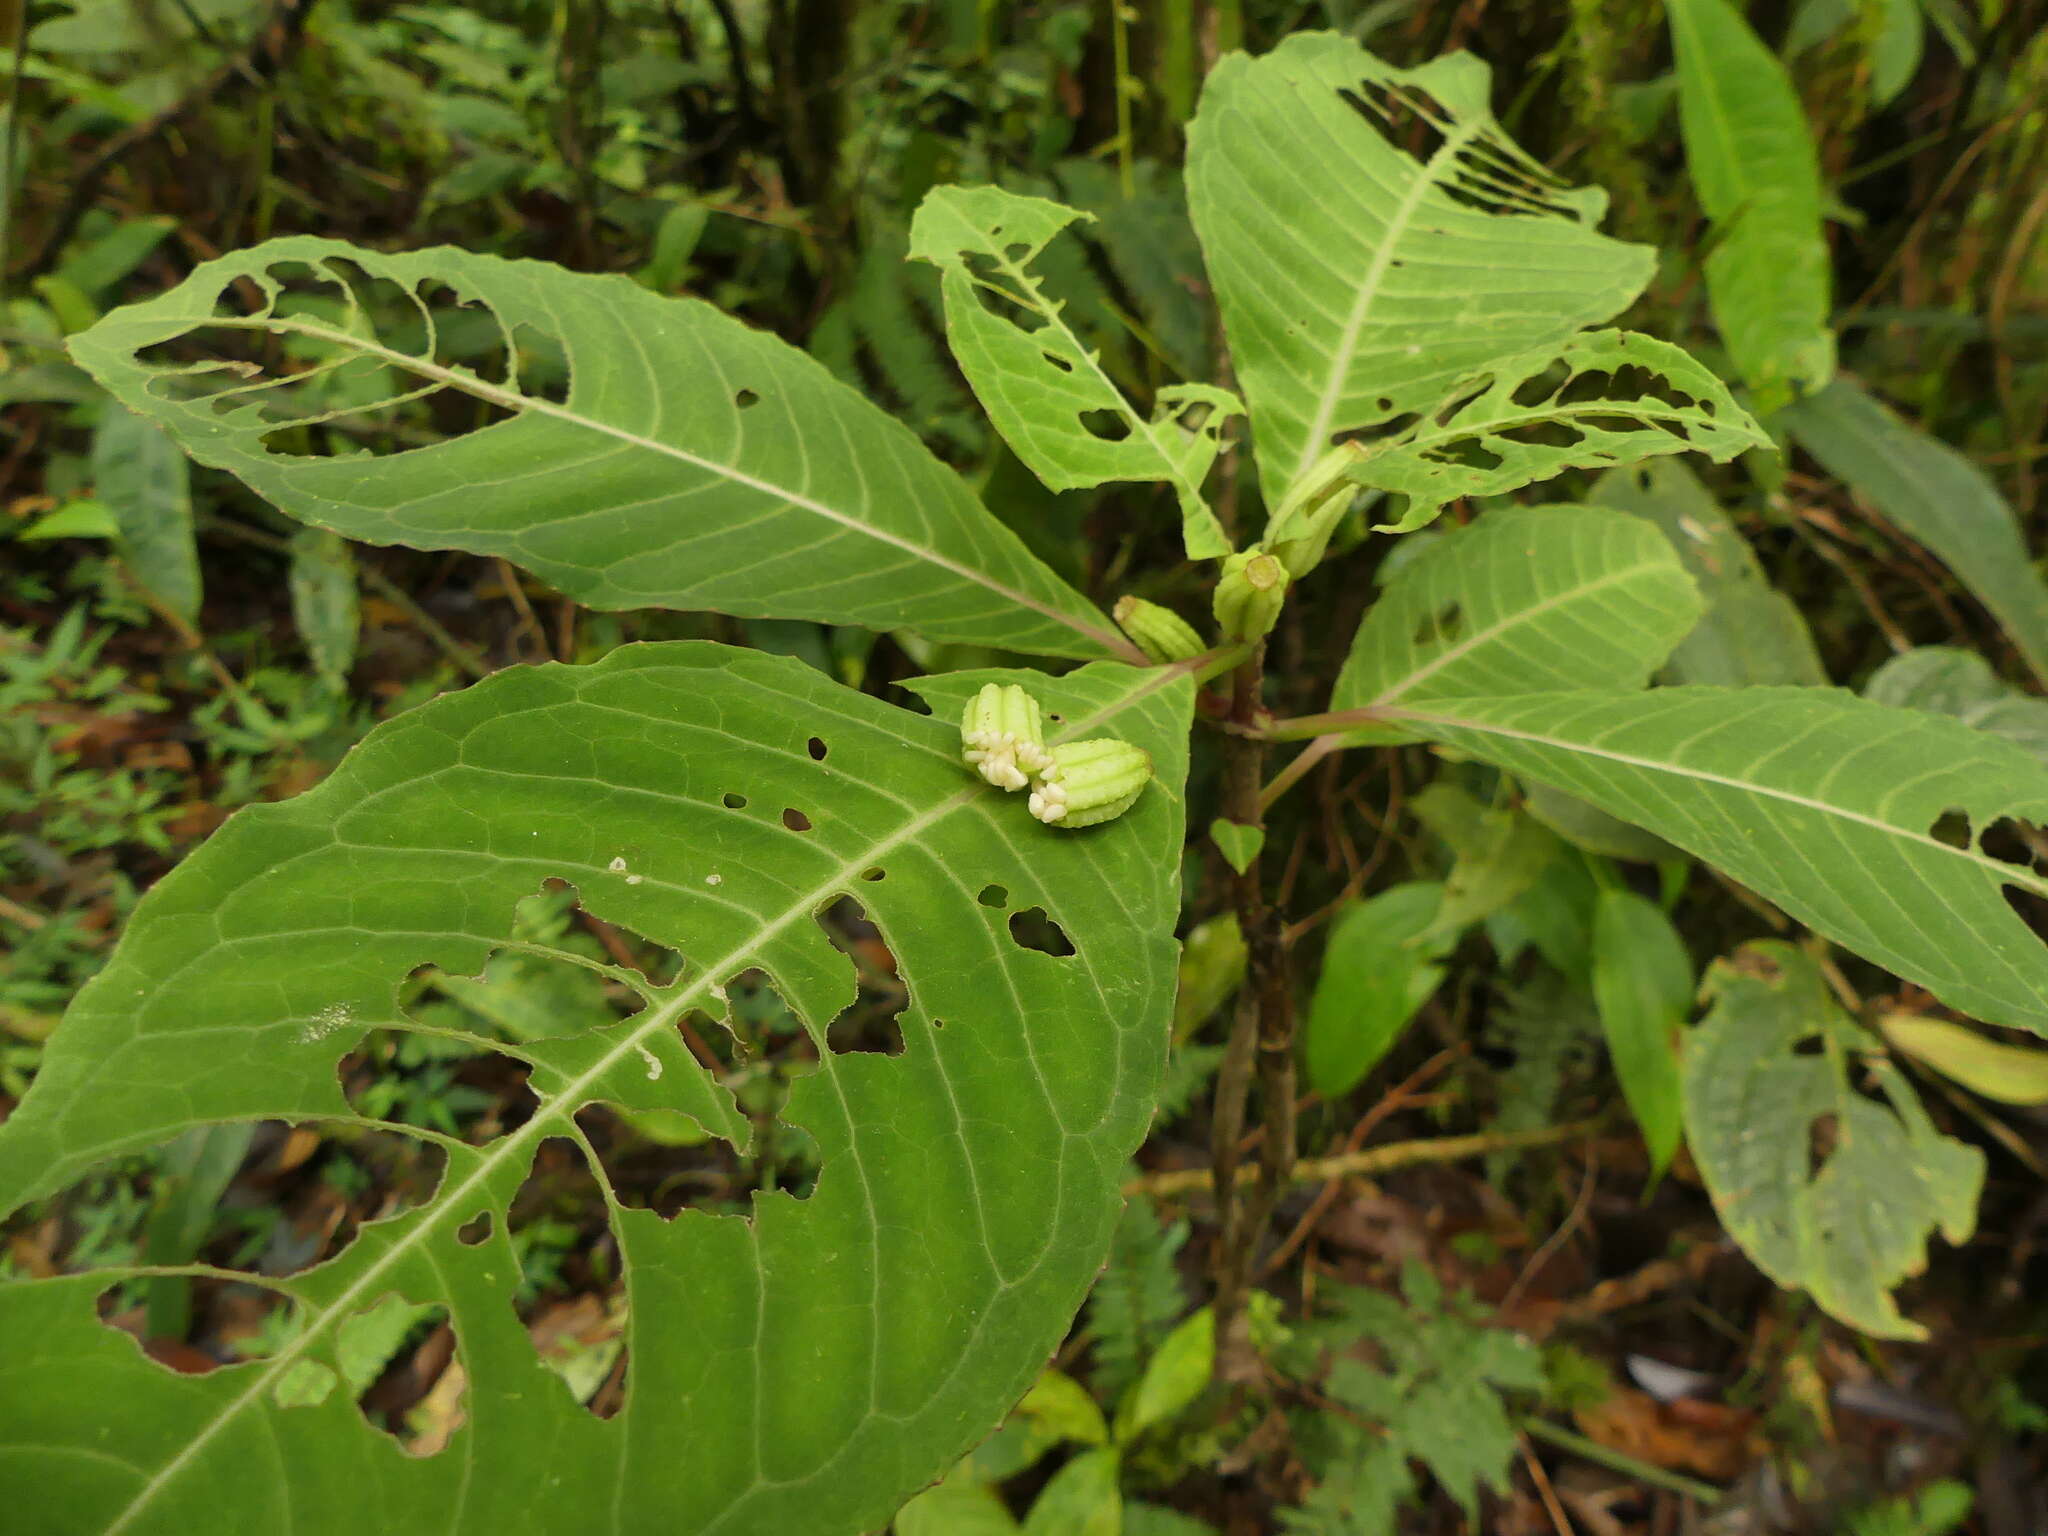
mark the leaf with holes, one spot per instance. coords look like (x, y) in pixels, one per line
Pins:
(1532, 417)
(800, 1367)
(1374, 237)
(1759, 1109)
(1519, 600)
(633, 450)
(1046, 392)
(1836, 809)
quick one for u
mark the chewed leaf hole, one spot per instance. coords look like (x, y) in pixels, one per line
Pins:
(1951, 827)
(872, 1023)
(1034, 928)
(1110, 426)
(993, 896)
(1446, 624)
(2012, 842)
(746, 399)
(339, 358)
(874, 874)
(475, 1231)
(795, 819)
(817, 748)
(398, 1358)
(569, 1296)
(194, 1325)
(733, 802)
(407, 1078)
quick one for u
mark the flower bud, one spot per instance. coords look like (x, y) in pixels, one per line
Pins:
(1249, 595)
(1000, 735)
(1159, 632)
(1090, 781)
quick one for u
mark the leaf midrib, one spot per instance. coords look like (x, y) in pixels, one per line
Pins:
(561, 1109)
(513, 400)
(2008, 873)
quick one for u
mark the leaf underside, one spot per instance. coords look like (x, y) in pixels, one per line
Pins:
(1374, 237)
(881, 1324)
(1847, 814)
(632, 450)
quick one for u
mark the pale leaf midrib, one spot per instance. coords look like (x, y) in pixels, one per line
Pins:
(2011, 873)
(561, 1108)
(513, 400)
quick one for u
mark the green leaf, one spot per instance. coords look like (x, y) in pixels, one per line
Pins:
(1212, 963)
(1643, 983)
(1531, 417)
(1850, 1231)
(1174, 1377)
(688, 462)
(1750, 633)
(183, 1196)
(1825, 804)
(1359, 283)
(1062, 1408)
(1138, 1298)
(1521, 599)
(324, 605)
(2011, 1074)
(1380, 967)
(141, 476)
(1046, 392)
(1947, 680)
(1588, 827)
(1499, 853)
(73, 520)
(1935, 495)
(839, 1350)
(1754, 167)
(1081, 1500)
(1239, 844)
(955, 1509)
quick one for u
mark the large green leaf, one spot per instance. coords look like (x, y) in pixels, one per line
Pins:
(1836, 809)
(686, 462)
(1374, 237)
(1935, 495)
(146, 483)
(799, 1370)
(1856, 1225)
(1521, 600)
(1383, 962)
(1754, 167)
(1750, 632)
(1534, 416)
(1642, 982)
(1045, 390)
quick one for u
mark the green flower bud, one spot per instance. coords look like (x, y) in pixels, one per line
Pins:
(1000, 736)
(1090, 781)
(1159, 632)
(1249, 595)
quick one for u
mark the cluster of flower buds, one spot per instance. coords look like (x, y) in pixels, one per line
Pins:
(1077, 784)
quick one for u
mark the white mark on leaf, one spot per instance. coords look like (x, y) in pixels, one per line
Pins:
(653, 1062)
(335, 1016)
(617, 866)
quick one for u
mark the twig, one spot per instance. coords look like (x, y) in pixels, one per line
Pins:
(1395, 1154)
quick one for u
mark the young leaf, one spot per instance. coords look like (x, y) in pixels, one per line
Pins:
(1934, 495)
(140, 476)
(802, 1367)
(2010, 1074)
(1521, 599)
(1361, 278)
(1825, 804)
(1045, 391)
(1081, 1500)
(1530, 418)
(1851, 1231)
(1238, 844)
(1758, 178)
(324, 606)
(1174, 1377)
(1380, 967)
(688, 462)
(1643, 982)
(955, 1509)
(1750, 633)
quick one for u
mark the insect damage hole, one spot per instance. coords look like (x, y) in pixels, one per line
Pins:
(732, 801)
(993, 895)
(746, 399)
(400, 1359)
(873, 1024)
(571, 1300)
(795, 819)
(1034, 928)
(1441, 627)
(476, 1231)
(817, 748)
